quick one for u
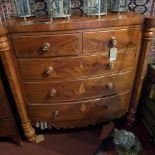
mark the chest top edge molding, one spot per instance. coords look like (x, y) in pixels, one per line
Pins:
(75, 23)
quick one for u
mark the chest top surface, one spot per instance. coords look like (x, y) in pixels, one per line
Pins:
(75, 23)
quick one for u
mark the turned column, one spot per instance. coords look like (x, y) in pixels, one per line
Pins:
(148, 32)
(12, 74)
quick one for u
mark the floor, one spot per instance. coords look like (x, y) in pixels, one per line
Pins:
(85, 141)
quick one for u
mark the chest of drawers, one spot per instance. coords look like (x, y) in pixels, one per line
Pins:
(66, 74)
(67, 77)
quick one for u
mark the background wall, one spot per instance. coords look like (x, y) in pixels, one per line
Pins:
(140, 6)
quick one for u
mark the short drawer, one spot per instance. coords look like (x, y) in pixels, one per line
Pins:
(107, 108)
(47, 45)
(5, 127)
(57, 91)
(101, 41)
(69, 67)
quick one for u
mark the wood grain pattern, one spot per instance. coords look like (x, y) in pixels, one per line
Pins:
(78, 89)
(77, 70)
(103, 109)
(100, 41)
(59, 45)
(89, 65)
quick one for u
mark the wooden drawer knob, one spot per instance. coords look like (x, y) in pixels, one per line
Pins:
(46, 47)
(107, 106)
(109, 86)
(55, 114)
(111, 65)
(113, 41)
(49, 70)
(52, 92)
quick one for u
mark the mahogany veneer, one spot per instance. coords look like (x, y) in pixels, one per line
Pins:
(65, 76)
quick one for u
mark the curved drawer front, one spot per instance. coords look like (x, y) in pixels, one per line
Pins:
(104, 109)
(101, 41)
(79, 89)
(47, 45)
(59, 68)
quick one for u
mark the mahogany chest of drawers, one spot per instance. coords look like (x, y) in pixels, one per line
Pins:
(68, 76)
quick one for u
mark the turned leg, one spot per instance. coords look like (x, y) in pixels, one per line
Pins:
(131, 117)
(10, 67)
(29, 131)
(141, 70)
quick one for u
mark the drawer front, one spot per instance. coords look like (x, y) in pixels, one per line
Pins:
(59, 68)
(107, 108)
(79, 89)
(47, 45)
(101, 41)
(5, 127)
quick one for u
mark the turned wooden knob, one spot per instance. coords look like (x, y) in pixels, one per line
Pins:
(113, 41)
(49, 70)
(45, 47)
(55, 113)
(107, 106)
(109, 85)
(111, 65)
(52, 92)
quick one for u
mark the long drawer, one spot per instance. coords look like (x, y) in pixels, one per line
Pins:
(47, 45)
(57, 91)
(101, 41)
(69, 67)
(107, 108)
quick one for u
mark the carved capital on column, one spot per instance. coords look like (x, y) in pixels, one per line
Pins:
(4, 44)
(29, 131)
(149, 28)
(148, 34)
